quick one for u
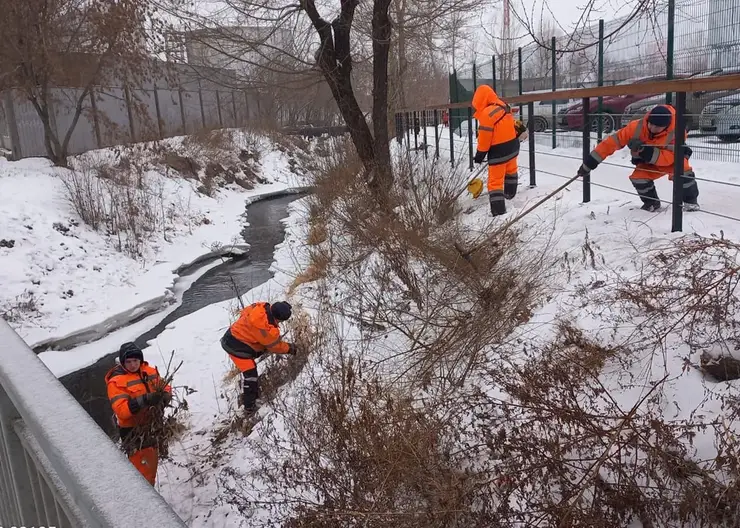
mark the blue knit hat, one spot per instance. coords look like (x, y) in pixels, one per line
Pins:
(660, 116)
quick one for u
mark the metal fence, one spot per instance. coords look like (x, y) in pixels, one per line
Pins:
(682, 38)
(113, 115)
(57, 467)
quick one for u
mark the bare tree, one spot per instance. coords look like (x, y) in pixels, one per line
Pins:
(45, 44)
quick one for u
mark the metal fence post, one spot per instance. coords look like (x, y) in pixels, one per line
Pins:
(530, 126)
(182, 112)
(233, 106)
(669, 50)
(475, 87)
(521, 107)
(159, 113)
(452, 139)
(493, 71)
(470, 137)
(408, 131)
(586, 151)
(246, 108)
(399, 128)
(218, 105)
(20, 487)
(202, 110)
(554, 88)
(436, 134)
(601, 78)
(15, 140)
(424, 124)
(678, 176)
(416, 130)
(127, 96)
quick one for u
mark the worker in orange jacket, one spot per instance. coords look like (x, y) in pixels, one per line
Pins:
(498, 141)
(254, 333)
(651, 141)
(134, 387)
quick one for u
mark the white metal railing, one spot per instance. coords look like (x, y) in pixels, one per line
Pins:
(57, 467)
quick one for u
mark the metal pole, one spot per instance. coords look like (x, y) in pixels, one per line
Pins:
(493, 71)
(521, 107)
(530, 125)
(671, 38)
(424, 123)
(475, 87)
(678, 177)
(436, 134)
(452, 139)
(416, 131)
(160, 123)
(554, 88)
(408, 132)
(586, 151)
(601, 78)
(470, 137)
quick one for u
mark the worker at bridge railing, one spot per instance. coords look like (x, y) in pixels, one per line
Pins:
(651, 141)
(134, 389)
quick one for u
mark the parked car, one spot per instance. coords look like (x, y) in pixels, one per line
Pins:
(543, 118)
(613, 107)
(695, 101)
(721, 117)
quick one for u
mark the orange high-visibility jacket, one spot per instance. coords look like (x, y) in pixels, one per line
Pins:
(257, 328)
(124, 385)
(497, 133)
(637, 130)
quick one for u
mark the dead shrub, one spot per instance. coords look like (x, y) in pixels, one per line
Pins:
(20, 308)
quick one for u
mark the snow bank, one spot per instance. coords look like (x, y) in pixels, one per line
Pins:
(64, 282)
(610, 225)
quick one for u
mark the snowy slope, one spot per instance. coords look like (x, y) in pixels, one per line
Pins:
(61, 277)
(611, 225)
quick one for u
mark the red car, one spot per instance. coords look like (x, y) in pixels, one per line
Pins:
(613, 106)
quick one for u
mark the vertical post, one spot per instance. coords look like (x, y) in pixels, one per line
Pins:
(470, 137)
(202, 110)
(475, 87)
(678, 176)
(521, 107)
(493, 71)
(159, 113)
(218, 105)
(669, 51)
(436, 134)
(530, 126)
(399, 128)
(246, 108)
(127, 96)
(182, 112)
(408, 131)
(455, 99)
(601, 78)
(21, 490)
(554, 68)
(586, 151)
(233, 106)
(15, 140)
(416, 131)
(96, 122)
(424, 122)
(452, 139)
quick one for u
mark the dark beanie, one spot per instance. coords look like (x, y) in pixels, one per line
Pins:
(129, 351)
(281, 310)
(660, 116)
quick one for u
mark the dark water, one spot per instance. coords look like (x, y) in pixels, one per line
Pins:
(216, 285)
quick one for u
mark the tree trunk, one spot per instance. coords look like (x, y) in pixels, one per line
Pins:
(383, 176)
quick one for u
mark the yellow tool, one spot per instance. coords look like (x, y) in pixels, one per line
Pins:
(475, 187)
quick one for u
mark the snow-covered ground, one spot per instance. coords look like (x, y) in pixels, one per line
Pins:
(61, 278)
(611, 225)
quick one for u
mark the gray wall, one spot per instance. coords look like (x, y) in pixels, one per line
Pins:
(113, 115)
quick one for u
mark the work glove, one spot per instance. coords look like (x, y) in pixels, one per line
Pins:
(646, 154)
(153, 398)
(292, 349)
(167, 398)
(480, 156)
(635, 145)
(687, 152)
(583, 171)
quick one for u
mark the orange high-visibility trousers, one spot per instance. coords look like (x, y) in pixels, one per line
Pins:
(503, 172)
(146, 460)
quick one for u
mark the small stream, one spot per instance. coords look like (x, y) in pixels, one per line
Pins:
(263, 233)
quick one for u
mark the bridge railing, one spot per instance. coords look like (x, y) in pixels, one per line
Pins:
(57, 467)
